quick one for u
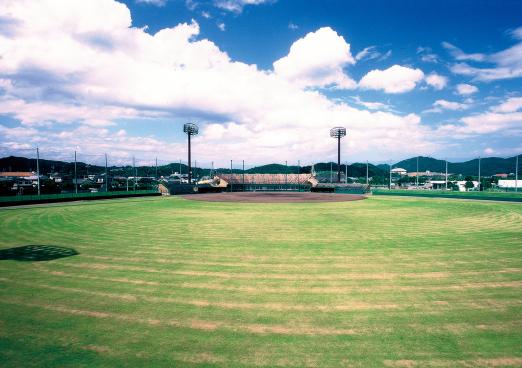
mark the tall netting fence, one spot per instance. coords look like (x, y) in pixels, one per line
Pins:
(32, 171)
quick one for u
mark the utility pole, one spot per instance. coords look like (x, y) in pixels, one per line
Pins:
(446, 174)
(346, 173)
(75, 175)
(211, 169)
(180, 168)
(479, 176)
(38, 168)
(106, 175)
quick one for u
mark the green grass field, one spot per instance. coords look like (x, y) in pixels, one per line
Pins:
(388, 281)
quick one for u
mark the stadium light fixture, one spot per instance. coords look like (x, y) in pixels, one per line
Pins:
(338, 133)
(190, 129)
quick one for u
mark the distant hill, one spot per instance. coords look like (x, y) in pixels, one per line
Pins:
(489, 166)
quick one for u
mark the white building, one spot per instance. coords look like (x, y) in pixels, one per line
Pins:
(505, 184)
(399, 171)
(462, 185)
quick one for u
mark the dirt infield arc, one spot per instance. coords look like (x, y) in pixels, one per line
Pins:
(273, 197)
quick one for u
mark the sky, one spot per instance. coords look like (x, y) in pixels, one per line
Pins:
(264, 80)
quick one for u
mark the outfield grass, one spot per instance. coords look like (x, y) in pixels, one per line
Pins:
(388, 281)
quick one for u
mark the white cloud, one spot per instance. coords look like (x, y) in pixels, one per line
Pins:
(507, 64)
(464, 89)
(427, 55)
(317, 60)
(221, 26)
(236, 6)
(437, 81)
(152, 2)
(517, 33)
(292, 26)
(503, 117)
(206, 15)
(396, 79)
(450, 105)
(510, 105)
(489, 151)
(372, 105)
(367, 52)
(108, 70)
(458, 54)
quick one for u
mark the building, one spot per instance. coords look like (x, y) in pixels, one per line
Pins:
(504, 176)
(16, 174)
(509, 184)
(399, 171)
(461, 184)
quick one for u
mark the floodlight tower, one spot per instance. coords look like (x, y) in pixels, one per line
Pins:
(190, 129)
(338, 133)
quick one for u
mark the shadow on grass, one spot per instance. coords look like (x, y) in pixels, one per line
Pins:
(36, 253)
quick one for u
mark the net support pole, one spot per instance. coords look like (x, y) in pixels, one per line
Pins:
(346, 173)
(106, 176)
(156, 168)
(479, 175)
(446, 174)
(243, 175)
(417, 175)
(135, 172)
(75, 175)
(298, 175)
(516, 175)
(390, 176)
(38, 168)
(366, 172)
(231, 179)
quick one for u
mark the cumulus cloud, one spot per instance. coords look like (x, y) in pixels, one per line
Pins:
(466, 89)
(84, 67)
(436, 81)
(317, 60)
(396, 79)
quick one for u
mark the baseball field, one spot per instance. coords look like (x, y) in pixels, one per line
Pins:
(170, 282)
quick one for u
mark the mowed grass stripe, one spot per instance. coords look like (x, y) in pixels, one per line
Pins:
(369, 283)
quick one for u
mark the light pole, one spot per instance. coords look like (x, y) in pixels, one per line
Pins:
(338, 133)
(190, 129)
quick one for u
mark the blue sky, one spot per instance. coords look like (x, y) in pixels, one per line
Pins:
(265, 80)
